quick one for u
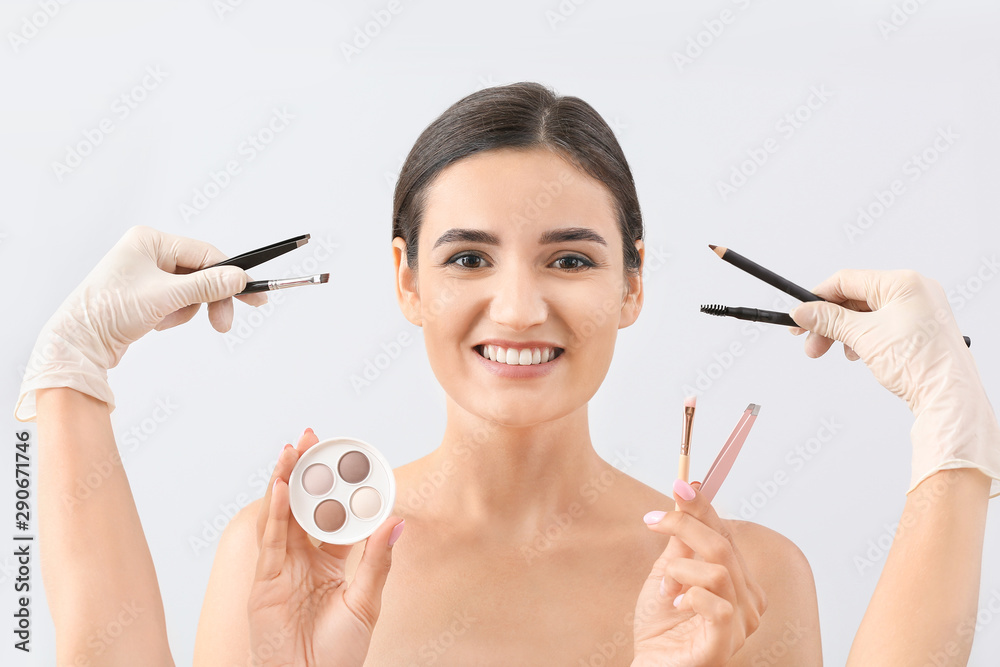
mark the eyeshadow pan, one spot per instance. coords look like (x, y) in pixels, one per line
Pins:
(366, 502)
(317, 479)
(330, 515)
(354, 467)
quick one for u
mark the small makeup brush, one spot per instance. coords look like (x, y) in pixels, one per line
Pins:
(283, 283)
(684, 463)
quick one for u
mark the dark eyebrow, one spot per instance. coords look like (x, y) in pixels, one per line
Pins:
(551, 236)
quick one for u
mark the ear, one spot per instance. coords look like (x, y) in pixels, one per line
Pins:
(406, 283)
(632, 297)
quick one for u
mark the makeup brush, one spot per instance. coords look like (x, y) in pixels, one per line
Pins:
(283, 283)
(684, 464)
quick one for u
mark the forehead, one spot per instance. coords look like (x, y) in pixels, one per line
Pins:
(516, 191)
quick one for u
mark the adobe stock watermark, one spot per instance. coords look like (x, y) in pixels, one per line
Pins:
(877, 548)
(211, 529)
(722, 362)
(121, 108)
(100, 471)
(795, 460)
(433, 649)
(373, 367)
(786, 127)
(912, 170)
(900, 15)
(712, 30)
(780, 647)
(100, 640)
(223, 8)
(966, 631)
(367, 32)
(562, 12)
(32, 25)
(246, 152)
(965, 291)
(244, 326)
(560, 523)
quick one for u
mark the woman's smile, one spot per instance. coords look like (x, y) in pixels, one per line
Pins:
(512, 362)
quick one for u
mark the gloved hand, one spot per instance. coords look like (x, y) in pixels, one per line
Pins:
(133, 289)
(901, 325)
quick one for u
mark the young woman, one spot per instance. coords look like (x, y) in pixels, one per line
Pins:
(516, 227)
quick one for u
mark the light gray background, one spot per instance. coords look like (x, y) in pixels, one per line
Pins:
(235, 400)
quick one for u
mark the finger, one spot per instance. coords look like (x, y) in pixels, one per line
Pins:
(710, 576)
(718, 612)
(253, 298)
(816, 345)
(850, 353)
(796, 331)
(364, 595)
(178, 317)
(272, 547)
(175, 252)
(861, 288)
(306, 440)
(220, 314)
(282, 470)
(705, 533)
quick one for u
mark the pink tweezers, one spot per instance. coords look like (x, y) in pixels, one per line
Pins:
(724, 461)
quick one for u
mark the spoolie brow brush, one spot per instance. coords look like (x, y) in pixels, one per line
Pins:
(752, 314)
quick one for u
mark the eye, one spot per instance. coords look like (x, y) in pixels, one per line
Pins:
(458, 260)
(582, 263)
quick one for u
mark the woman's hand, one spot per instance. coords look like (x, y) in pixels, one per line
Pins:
(301, 610)
(700, 603)
(901, 325)
(148, 280)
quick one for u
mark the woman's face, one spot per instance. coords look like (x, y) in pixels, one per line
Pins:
(486, 271)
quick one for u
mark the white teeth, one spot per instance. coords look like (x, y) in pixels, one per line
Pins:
(515, 357)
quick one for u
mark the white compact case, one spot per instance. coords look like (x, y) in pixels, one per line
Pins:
(341, 490)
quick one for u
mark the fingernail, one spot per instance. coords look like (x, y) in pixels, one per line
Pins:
(683, 489)
(275, 484)
(677, 600)
(663, 588)
(396, 532)
(696, 488)
(791, 313)
(653, 517)
(287, 446)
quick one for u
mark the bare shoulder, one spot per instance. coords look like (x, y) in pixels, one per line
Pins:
(789, 632)
(223, 637)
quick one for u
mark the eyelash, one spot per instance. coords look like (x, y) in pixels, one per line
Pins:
(587, 264)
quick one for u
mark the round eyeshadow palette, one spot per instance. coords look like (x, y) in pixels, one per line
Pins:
(341, 490)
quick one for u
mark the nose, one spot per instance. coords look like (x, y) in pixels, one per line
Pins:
(518, 301)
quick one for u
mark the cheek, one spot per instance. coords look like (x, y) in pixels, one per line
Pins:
(594, 320)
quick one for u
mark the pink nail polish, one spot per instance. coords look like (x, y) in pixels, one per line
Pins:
(653, 517)
(663, 588)
(683, 489)
(396, 532)
(273, 486)
(677, 600)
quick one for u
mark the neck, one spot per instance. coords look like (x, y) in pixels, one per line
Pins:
(513, 479)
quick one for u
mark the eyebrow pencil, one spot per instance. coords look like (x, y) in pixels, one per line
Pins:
(684, 463)
(771, 278)
(768, 276)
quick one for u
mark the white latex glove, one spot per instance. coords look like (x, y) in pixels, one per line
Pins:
(138, 286)
(901, 325)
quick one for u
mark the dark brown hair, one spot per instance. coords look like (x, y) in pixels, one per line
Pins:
(517, 115)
